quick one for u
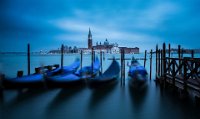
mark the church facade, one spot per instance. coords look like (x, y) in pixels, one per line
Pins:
(106, 47)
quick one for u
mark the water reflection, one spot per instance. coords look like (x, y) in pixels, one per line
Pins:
(138, 97)
(24, 95)
(99, 95)
(63, 96)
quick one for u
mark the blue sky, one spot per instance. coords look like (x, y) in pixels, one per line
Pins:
(46, 24)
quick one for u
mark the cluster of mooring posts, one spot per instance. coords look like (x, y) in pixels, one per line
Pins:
(180, 73)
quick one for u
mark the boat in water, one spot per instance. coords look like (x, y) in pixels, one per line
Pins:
(110, 76)
(138, 75)
(74, 79)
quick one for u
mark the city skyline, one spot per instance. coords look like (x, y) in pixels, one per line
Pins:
(48, 24)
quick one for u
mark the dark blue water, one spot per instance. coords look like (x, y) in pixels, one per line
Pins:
(114, 102)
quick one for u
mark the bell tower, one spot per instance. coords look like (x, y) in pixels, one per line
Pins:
(89, 40)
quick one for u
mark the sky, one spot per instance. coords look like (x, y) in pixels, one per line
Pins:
(46, 24)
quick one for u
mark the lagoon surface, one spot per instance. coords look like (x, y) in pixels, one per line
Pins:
(114, 102)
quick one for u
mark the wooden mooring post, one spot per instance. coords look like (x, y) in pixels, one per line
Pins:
(164, 63)
(145, 58)
(156, 60)
(101, 61)
(151, 53)
(92, 60)
(122, 67)
(81, 59)
(28, 58)
(2, 76)
(62, 55)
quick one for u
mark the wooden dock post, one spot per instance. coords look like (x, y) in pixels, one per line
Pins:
(101, 61)
(28, 58)
(122, 67)
(92, 60)
(81, 59)
(62, 56)
(164, 63)
(159, 52)
(169, 50)
(185, 75)
(173, 73)
(192, 53)
(2, 76)
(151, 52)
(145, 58)
(156, 60)
(161, 63)
(179, 57)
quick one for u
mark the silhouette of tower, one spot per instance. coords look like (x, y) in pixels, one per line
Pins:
(89, 39)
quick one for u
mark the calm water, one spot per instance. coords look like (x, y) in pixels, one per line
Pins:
(113, 102)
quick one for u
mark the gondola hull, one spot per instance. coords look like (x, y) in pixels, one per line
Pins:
(74, 79)
(109, 77)
(137, 75)
(28, 81)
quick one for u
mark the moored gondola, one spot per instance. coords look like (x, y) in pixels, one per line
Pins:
(138, 75)
(37, 80)
(110, 76)
(74, 79)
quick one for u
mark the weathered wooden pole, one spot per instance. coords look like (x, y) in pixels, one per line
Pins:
(164, 63)
(122, 66)
(185, 74)
(169, 50)
(2, 76)
(101, 61)
(103, 56)
(92, 60)
(145, 58)
(93, 55)
(192, 53)
(81, 59)
(62, 55)
(161, 63)
(151, 52)
(173, 73)
(192, 62)
(169, 55)
(179, 57)
(28, 58)
(158, 73)
(156, 60)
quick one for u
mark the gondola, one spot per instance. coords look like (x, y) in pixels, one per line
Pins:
(36, 80)
(75, 79)
(65, 69)
(138, 75)
(27, 81)
(110, 76)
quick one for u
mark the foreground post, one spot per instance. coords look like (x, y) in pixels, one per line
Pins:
(156, 60)
(92, 59)
(28, 58)
(151, 52)
(164, 63)
(145, 58)
(62, 55)
(101, 61)
(179, 57)
(81, 59)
